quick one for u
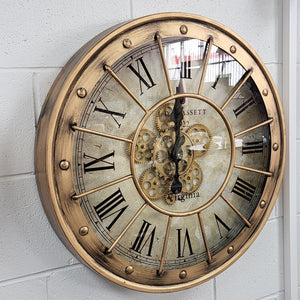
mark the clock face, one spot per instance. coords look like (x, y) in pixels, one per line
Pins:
(167, 149)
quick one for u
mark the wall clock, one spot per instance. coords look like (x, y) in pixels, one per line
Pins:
(160, 151)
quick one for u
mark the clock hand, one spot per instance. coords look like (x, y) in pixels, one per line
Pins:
(176, 152)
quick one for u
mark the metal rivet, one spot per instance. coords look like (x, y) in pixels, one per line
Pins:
(127, 43)
(262, 203)
(233, 49)
(64, 165)
(129, 269)
(230, 249)
(265, 92)
(84, 230)
(275, 146)
(183, 29)
(81, 92)
(183, 274)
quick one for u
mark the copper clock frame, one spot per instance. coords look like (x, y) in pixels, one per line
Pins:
(56, 132)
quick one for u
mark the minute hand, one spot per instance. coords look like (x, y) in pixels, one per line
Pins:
(176, 152)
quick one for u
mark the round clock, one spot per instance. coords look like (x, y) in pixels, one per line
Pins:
(160, 151)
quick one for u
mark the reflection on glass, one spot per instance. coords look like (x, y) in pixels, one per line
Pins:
(185, 56)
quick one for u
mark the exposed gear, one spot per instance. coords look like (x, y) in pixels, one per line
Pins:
(144, 146)
(192, 179)
(170, 199)
(163, 117)
(153, 185)
(200, 137)
(161, 157)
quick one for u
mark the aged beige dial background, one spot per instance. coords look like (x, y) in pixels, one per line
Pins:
(160, 151)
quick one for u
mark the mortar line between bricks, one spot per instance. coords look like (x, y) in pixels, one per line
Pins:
(273, 63)
(36, 97)
(266, 297)
(37, 275)
(29, 68)
(20, 175)
(273, 219)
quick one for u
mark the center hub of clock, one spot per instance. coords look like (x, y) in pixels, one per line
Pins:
(182, 162)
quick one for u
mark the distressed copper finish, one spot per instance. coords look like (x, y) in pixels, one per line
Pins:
(56, 134)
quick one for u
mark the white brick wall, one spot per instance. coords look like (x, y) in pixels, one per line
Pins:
(37, 39)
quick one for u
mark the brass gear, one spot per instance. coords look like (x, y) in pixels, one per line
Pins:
(192, 179)
(170, 199)
(144, 146)
(161, 157)
(200, 137)
(162, 118)
(153, 185)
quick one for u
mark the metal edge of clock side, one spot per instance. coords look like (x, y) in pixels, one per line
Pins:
(47, 130)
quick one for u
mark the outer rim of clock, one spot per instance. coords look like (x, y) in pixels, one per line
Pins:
(44, 148)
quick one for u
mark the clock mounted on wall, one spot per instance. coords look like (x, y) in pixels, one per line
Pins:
(160, 151)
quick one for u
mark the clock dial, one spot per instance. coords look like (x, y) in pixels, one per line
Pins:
(168, 153)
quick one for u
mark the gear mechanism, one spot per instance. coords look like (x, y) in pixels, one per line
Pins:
(192, 179)
(163, 117)
(161, 157)
(144, 146)
(200, 137)
(156, 180)
(154, 186)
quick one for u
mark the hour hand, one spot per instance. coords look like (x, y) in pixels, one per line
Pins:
(176, 186)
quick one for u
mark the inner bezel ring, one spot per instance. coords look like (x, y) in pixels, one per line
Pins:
(133, 147)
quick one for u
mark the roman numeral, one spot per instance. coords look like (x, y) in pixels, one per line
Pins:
(141, 239)
(113, 114)
(243, 189)
(219, 76)
(147, 79)
(109, 165)
(186, 241)
(111, 207)
(221, 223)
(252, 147)
(243, 106)
(185, 70)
